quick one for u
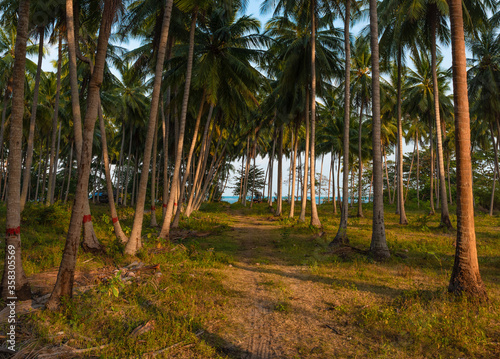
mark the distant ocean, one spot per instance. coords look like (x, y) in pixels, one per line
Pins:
(234, 199)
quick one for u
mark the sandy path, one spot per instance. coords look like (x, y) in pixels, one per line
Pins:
(280, 311)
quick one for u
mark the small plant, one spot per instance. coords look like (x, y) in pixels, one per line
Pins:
(113, 285)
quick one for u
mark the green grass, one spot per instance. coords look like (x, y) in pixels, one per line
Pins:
(397, 308)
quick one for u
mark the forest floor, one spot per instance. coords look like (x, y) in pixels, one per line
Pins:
(235, 282)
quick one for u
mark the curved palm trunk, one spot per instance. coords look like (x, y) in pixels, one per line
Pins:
(198, 174)
(134, 242)
(20, 289)
(127, 175)
(401, 199)
(294, 171)
(165, 230)
(109, 186)
(31, 135)
(65, 277)
(303, 208)
(360, 157)
(378, 246)
(341, 236)
(445, 215)
(53, 165)
(465, 277)
(189, 161)
(314, 211)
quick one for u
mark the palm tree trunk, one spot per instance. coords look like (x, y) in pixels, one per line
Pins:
(44, 176)
(134, 242)
(119, 167)
(109, 185)
(320, 179)
(294, 170)
(378, 246)
(53, 166)
(389, 191)
(134, 180)
(341, 236)
(178, 155)
(153, 222)
(409, 174)
(432, 211)
(70, 171)
(187, 171)
(360, 158)
(330, 177)
(65, 277)
(247, 171)
(31, 135)
(334, 193)
(38, 174)
(401, 199)
(465, 277)
(271, 172)
(418, 171)
(127, 175)
(314, 211)
(279, 200)
(20, 289)
(445, 215)
(303, 208)
(198, 175)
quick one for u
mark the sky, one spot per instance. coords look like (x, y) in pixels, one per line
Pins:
(253, 8)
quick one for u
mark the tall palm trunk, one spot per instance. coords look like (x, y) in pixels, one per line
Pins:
(165, 230)
(53, 166)
(65, 277)
(303, 208)
(189, 161)
(31, 135)
(360, 157)
(465, 276)
(314, 211)
(294, 171)
(19, 289)
(341, 236)
(279, 200)
(445, 214)
(134, 242)
(378, 246)
(401, 199)
(247, 171)
(153, 221)
(109, 186)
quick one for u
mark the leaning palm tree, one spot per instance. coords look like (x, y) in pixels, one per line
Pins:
(20, 289)
(465, 277)
(65, 277)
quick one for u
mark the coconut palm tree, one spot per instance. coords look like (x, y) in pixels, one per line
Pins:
(134, 242)
(465, 277)
(20, 287)
(378, 246)
(65, 277)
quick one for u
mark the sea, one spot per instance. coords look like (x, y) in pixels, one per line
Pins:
(234, 199)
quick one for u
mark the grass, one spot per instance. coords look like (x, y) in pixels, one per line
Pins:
(397, 308)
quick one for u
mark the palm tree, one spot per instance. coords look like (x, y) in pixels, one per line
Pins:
(29, 151)
(465, 277)
(65, 277)
(20, 288)
(165, 230)
(378, 246)
(134, 242)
